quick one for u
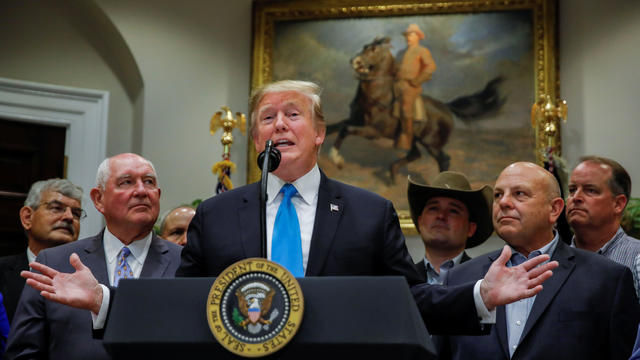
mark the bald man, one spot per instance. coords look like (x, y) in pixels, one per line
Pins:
(587, 309)
(175, 223)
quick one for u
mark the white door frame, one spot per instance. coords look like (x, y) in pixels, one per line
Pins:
(84, 114)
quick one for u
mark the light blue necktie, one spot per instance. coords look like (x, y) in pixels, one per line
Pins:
(286, 244)
(123, 270)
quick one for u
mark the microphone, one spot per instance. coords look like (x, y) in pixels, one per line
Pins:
(274, 157)
(268, 161)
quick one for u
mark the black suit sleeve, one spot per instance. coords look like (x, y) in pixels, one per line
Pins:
(191, 256)
(395, 257)
(28, 334)
(449, 310)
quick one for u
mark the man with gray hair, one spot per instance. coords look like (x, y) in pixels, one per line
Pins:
(127, 195)
(50, 216)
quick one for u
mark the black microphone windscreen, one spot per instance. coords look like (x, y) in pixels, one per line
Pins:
(274, 159)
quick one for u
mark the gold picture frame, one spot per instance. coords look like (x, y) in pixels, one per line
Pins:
(282, 27)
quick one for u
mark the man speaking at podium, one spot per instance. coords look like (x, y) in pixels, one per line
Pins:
(316, 226)
(340, 230)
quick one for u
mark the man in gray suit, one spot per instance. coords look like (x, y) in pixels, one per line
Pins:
(50, 217)
(127, 194)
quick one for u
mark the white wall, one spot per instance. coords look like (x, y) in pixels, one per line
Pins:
(39, 44)
(194, 57)
(600, 79)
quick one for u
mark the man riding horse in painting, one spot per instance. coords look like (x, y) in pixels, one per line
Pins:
(389, 103)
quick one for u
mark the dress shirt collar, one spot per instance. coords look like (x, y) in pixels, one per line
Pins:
(547, 249)
(31, 257)
(307, 185)
(603, 250)
(447, 264)
(139, 248)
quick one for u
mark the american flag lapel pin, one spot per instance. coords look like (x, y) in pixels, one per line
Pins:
(334, 207)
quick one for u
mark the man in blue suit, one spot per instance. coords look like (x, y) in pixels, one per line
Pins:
(587, 310)
(127, 194)
(340, 229)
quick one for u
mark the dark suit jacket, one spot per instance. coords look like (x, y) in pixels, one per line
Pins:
(43, 329)
(422, 269)
(11, 283)
(587, 310)
(361, 237)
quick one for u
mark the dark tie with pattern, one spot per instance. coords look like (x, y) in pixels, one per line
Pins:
(123, 270)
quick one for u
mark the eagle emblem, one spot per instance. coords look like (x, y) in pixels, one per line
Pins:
(254, 302)
(250, 311)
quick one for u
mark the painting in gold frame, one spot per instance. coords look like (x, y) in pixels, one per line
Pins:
(508, 47)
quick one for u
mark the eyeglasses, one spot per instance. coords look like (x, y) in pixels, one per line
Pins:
(57, 208)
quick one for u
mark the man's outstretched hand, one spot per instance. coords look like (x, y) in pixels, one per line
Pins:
(79, 289)
(503, 285)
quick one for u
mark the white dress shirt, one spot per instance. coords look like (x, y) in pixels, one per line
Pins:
(305, 202)
(31, 257)
(112, 248)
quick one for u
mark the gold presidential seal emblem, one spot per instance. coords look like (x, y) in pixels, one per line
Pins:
(255, 307)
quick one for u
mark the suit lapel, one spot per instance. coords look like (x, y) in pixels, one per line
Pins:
(564, 255)
(501, 315)
(328, 214)
(249, 221)
(94, 258)
(156, 262)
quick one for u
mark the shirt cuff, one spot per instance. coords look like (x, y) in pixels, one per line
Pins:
(484, 315)
(99, 319)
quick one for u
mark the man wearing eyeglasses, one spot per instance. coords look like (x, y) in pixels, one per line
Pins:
(50, 216)
(127, 194)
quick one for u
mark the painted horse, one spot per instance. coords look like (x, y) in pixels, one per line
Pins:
(372, 112)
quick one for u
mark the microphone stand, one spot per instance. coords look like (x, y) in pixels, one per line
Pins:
(268, 160)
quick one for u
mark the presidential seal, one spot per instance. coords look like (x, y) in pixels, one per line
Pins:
(255, 307)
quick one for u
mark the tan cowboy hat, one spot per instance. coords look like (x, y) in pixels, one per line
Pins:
(414, 28)
(455, 185)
